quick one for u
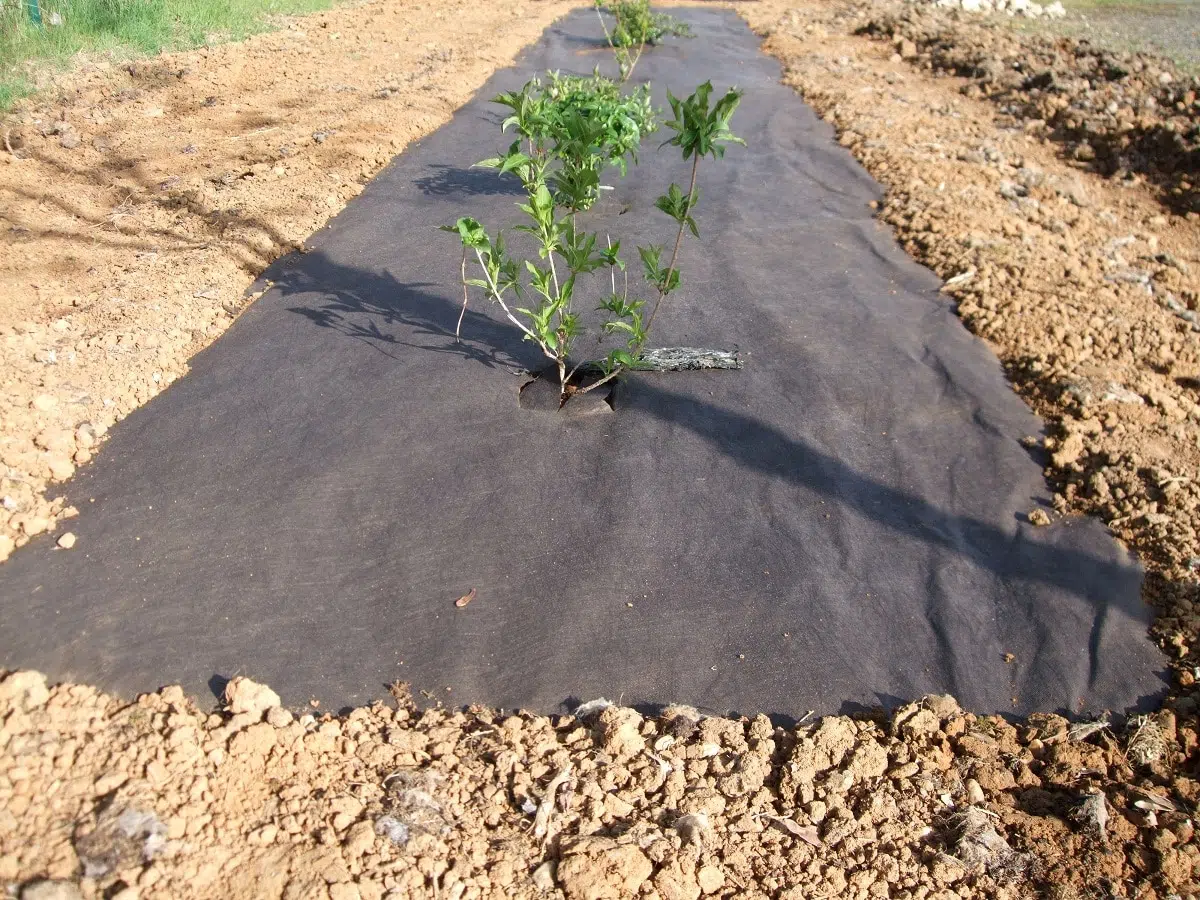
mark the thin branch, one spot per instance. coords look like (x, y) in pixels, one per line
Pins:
(553, 271)
(609, 377)
(504, 306)
(604, 25)
(633, 65)
(466, 297)
(678, 240)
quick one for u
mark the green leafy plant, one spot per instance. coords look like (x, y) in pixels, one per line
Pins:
(540, 296)
(636, 27)
(585, 121)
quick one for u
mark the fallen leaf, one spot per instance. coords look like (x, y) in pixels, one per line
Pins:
(806, 833)
(465, 598)
(1155, 803)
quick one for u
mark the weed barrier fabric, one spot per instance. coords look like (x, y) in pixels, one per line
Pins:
(839, 524)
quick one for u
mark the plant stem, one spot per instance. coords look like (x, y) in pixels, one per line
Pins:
(604, 25)
(633, 65)
(609, 377)
(466, 297)
(667, 279)
(678, 240)
(496, 296)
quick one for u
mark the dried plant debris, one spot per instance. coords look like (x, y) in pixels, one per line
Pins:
(1081, 731)
(412, 805)
(1146, 744)
(980, 847)
(1092, 814)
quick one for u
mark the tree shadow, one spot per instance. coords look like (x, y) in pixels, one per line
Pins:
(452, 181)
(385, 313)
(212, 222)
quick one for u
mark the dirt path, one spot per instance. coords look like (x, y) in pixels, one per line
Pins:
(138, 205)
(1067, 274)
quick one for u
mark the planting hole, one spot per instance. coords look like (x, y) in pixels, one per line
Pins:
(542, 394)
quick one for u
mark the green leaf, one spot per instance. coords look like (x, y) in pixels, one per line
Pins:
(473, 234)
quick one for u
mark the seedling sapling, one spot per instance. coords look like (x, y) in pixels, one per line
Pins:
(560, 175)
(634, 28)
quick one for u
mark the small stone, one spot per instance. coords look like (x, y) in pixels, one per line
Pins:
(51, 890)
(621, 728)
(975, 793)
(1069, 450)
(278, 717)
(1039, 517)
(106, 784)
(61, 468)
(600, 868)
(245, 696)
(69, 140)
(67, 540)
(44, 402)
(25, 690)
(543, 877)
(34, 525)
(359, 839)
(944, 706)
(257, 740)
(710, 879)
(922, 722)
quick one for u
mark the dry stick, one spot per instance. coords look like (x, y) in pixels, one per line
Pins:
(666, 278)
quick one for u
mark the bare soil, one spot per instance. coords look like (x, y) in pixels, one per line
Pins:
(1169, 28)
(1015, 167)
(138, 203)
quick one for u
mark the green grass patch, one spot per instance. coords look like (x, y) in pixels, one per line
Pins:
(122, 29)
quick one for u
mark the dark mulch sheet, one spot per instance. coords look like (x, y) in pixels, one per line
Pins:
(840, 523)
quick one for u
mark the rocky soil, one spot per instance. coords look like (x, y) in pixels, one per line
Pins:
(1051, 184)
(103, 798)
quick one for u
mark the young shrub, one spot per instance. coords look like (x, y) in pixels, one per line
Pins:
(560, 174)
(634, 28)
(587, 123)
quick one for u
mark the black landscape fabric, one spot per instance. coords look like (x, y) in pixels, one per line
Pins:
(839, 524)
